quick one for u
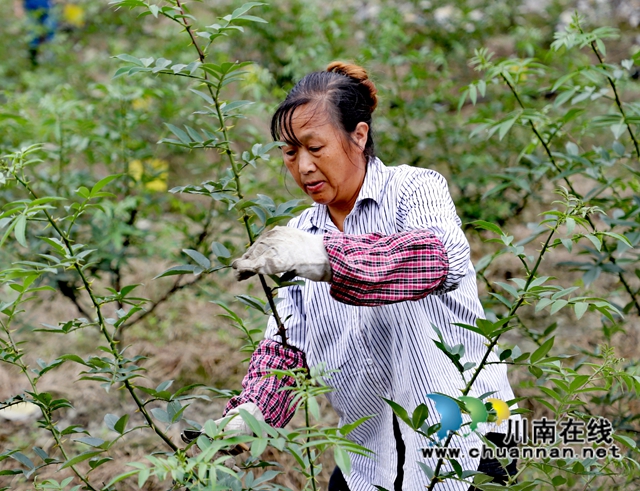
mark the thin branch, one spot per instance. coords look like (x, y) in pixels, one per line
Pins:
(234, 168)
(175, 288)
(436, 473)
(616, 97)
(46, 412)
(634, 295)
(102, 323)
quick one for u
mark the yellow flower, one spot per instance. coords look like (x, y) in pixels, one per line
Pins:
(152, 173)
(519, 71)
(73, 14)
(141, 103)
(136, 169)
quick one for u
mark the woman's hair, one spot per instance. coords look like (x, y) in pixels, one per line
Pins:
(344, 91)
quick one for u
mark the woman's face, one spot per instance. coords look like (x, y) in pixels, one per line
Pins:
(327, 166)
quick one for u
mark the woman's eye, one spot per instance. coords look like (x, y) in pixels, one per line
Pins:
(290, 153)
(315, 149)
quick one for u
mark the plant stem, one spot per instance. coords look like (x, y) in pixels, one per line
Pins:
(102, 323)
(612, 83)
(311, 466)
(234, 167)
(46, 413)
(633, 295)
(538, 135)
(492, 345)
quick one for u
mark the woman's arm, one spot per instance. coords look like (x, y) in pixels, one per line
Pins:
(429, 256)
(426, 204)
(374, 269)
(267, 393)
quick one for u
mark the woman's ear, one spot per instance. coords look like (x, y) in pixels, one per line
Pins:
(360, 134)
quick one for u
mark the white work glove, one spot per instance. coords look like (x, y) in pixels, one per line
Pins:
(238, 424)
(283, 249)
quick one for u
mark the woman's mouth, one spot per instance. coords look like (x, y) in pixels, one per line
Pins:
(314, 187)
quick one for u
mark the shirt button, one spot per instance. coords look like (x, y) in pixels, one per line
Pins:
(369, 361)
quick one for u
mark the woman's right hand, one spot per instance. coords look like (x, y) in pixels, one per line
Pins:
(284, 249)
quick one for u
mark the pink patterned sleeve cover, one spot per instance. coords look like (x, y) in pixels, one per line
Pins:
(266, 393)
(370, 269)
(375, 269)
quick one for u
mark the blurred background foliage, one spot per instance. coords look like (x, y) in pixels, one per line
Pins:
(433, 112)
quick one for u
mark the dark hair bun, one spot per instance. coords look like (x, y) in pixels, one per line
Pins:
(357, 73)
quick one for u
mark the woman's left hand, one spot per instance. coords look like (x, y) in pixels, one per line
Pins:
(283, 249)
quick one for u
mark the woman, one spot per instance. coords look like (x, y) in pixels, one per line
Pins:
(387, 259)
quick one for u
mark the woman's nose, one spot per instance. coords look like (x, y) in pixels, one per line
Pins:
(306, 164)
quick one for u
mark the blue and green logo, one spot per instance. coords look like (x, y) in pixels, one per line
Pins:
(451, 414)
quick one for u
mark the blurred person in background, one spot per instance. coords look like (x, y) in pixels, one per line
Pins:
(41, 24)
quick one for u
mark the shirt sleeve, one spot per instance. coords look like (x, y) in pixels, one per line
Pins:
(267, 392)
(373, 269)
(426, 204)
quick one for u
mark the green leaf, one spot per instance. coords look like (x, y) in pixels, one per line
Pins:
(102, 183)
(204, 95)
(130, 59)
(161, 415)
(258, 446)
(625, 440)
(488, 226)
(252, 18)
(505, 127)
(348, 428)
(200, 259)
(235, 105)
(184, 269)
(595, 241)
(619, 237)
(253, 302)
(20, 229)
(557, 305)
(23, 459)
(143, 477)
(251, 421)
(121, 425)
(182, 136)
(121, 477)
(343, 461)
(580, 308)
(220, 250)
(542, 350)
(95, 463)
(473, 94)
(427, 470)
(420, 414)
(80, 458)
(245, 8)
(400, 412)
(314, 409)
(110, 421)
(91, 441)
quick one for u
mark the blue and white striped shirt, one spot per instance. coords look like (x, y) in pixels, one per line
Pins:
(388, 350)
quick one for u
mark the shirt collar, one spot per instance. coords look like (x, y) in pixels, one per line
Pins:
(371, 189)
